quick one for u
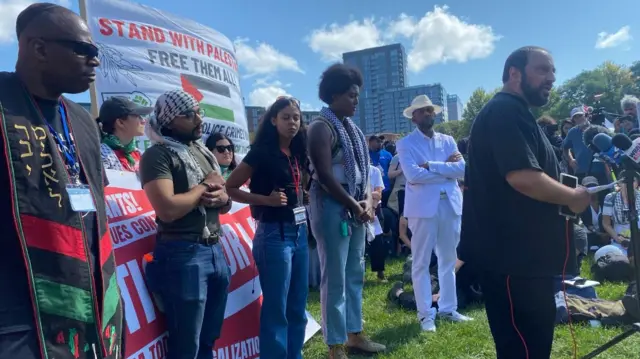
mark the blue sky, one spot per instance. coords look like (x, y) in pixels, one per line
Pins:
(284, 45)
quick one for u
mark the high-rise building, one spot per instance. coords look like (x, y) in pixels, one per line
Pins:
(253, 114)
(307, 116)
(455, 107)
(392, 102)
(382, 68)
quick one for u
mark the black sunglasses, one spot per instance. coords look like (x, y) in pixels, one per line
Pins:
(191, 114)
(221, 149)
(79, 48)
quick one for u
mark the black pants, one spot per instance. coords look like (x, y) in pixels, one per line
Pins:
(521, 313)
(378, 253)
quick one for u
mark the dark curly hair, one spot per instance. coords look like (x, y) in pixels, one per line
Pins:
(267, 134)
(211, 145)
(338, 79)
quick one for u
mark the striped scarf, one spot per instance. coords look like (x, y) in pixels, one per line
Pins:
(355, 152)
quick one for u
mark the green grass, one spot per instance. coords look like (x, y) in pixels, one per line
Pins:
(400, 332)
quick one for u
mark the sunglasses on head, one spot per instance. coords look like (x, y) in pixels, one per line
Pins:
(79, 48)
(191, 114)
(290, 98)
(221, 149)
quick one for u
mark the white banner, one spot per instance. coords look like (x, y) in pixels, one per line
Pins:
(145, 52)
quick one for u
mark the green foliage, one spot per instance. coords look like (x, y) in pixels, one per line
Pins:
(610, 80)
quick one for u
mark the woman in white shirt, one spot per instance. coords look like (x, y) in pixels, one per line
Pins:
(377, 250)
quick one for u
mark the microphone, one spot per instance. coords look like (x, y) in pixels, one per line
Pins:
(631, 148)
(590, 133)
(606, 149)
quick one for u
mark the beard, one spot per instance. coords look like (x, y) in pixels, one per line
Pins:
(184, 137)
(533, 95)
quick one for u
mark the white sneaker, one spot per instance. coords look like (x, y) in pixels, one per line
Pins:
(455, 317)
(428, 324)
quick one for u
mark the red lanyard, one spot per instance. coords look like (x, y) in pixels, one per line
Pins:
(295, 174)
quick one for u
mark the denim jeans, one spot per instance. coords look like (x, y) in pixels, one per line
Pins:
(341, 266)
(192, 281)
(281, 253)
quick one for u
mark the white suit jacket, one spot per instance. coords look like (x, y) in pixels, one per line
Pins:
(422, 193)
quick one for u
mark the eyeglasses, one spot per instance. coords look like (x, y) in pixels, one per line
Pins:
(290, 98)
(222, 149)
(191, 114)
(79, 48)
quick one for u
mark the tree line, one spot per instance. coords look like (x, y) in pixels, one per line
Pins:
(609, 80)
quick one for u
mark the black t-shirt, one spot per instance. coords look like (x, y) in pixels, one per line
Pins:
(158, 162)
(504, 231)
(272, 170)
(16, 312)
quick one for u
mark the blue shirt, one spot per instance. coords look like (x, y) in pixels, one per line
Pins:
(382, 160)
(581, 152)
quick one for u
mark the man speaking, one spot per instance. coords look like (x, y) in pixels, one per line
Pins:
(511, 230)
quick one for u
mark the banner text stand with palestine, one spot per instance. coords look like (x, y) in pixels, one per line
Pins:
(143, 53)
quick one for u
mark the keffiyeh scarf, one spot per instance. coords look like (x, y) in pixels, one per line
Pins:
(195, 173)
(355, 152)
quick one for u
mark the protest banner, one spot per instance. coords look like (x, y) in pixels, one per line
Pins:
(132, 227)
(145, 52)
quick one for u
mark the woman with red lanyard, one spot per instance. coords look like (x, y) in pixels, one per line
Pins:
(275, 164)
(121, 121)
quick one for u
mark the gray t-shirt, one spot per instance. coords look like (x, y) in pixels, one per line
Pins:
(158, 162)
(394, 166)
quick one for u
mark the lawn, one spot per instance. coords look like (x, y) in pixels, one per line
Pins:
(399, 330)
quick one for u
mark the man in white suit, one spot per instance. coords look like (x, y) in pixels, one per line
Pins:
(433, 206)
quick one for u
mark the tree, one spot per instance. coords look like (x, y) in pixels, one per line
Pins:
(454, 129)
(609, 80)
(476, 102)
(635, 73)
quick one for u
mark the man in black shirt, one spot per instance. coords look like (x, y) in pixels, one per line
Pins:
(182, 180)
(511, 230)
(55, 251)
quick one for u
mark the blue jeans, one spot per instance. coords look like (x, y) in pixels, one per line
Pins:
(281, 253)
(192, 281)
(341, 266)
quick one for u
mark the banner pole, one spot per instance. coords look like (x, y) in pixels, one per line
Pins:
(93, 95)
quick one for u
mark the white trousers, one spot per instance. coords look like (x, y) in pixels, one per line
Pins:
(442, 233)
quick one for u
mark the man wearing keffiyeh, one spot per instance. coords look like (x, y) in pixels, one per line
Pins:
(182, 180)
(340, 198)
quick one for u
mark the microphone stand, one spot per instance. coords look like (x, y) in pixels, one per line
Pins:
(634, 249)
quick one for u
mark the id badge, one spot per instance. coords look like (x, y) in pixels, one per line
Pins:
(80, 198)
(300, 215)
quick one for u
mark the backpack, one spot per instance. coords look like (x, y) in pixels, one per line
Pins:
(612, 267)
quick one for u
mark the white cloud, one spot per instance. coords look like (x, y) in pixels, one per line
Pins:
(437, 37)
(308, 107)
(265, 93)
(331, 41)
(10, 9)
(263, 59)
(606, 40)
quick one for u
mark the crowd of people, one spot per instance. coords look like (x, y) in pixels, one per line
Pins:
(327, 184)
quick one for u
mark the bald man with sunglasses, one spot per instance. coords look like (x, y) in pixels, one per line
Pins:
(57, 269)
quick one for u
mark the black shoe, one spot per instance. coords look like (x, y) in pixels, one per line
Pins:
(396, 288)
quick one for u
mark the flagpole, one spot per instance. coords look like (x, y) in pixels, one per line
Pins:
(93, 95)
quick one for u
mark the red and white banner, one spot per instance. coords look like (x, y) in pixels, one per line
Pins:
(133, 228)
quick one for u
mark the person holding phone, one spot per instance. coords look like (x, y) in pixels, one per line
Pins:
(275, 165)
